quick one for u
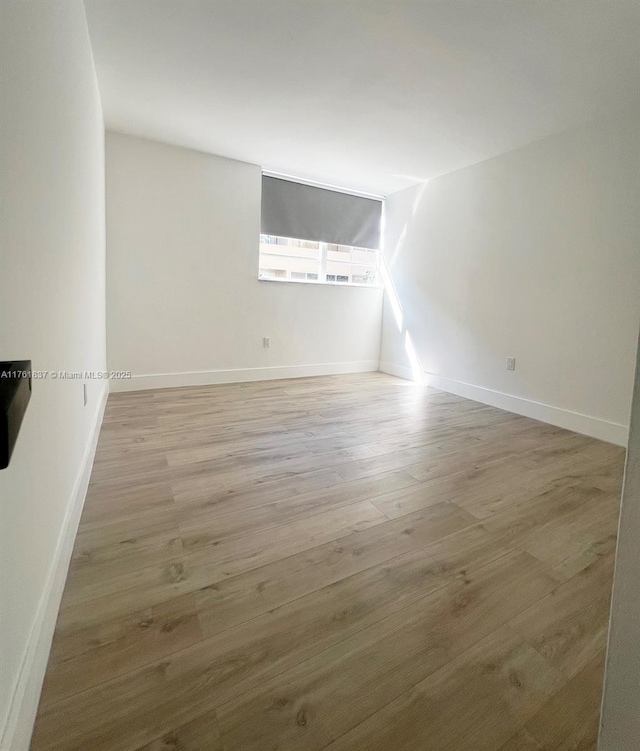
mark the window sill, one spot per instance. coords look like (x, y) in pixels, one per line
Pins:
(320, 284)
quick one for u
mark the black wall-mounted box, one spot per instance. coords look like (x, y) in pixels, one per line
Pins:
(15, 392)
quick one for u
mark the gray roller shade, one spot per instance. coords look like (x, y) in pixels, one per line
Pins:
(291, 209)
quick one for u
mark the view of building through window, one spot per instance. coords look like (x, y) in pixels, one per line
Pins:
(288, 259)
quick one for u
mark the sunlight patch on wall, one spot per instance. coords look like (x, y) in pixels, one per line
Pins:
(392, 294)
(416, 368)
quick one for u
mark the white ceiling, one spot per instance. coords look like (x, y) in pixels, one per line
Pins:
(370, 94)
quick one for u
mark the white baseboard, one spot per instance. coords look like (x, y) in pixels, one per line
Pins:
(24, 705)
(604, 430)
(397, 370)
(209, 377)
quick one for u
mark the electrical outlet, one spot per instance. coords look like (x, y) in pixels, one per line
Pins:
(266, 342)
(511, 363)
(84, 393)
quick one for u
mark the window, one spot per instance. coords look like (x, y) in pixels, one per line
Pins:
(342, 231)
(293, 260)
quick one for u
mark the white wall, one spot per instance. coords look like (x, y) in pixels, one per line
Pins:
(534, 255)
(620, 721)
(52, 312)
(184, 304)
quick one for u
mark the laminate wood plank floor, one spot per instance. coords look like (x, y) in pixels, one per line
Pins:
(347, 562)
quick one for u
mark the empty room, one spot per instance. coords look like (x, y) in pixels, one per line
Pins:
(319, 416)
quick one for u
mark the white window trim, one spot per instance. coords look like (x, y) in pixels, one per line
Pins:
(320, 284)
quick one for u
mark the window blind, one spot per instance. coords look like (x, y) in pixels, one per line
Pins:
(305, 212)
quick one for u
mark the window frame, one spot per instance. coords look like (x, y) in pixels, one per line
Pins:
(322, 264)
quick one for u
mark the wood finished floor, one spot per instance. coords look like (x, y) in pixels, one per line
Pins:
(343, 563)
